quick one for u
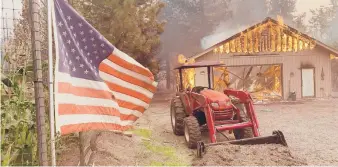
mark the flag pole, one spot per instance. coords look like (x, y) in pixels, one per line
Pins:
(51, 92)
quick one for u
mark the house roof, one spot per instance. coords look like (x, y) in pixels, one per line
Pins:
(253, 27)
(201, 64)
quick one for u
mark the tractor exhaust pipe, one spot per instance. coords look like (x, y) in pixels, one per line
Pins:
(277, 137)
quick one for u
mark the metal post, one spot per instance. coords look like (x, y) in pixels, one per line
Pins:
(209, 77)
(38, 86)
(181, 80)
(168, 73)
(51, 91)
(81, 145)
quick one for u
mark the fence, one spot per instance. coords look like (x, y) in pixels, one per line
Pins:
(18, 117)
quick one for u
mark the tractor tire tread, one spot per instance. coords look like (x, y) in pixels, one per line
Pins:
(245, 132)
(193, 131)
(180, 115)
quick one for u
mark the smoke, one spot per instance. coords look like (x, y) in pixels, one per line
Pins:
(221, 33)
(244, 15)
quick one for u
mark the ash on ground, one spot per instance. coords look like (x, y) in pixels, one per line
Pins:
(248, 155)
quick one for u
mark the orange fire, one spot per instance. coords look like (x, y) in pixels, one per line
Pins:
(188, 75)
(268, 37)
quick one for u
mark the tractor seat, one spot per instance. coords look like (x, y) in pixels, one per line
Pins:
(198, 89)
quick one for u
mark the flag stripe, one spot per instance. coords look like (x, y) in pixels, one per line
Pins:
(111, 79)
(85, 92)
(72, 99)
(127, 71)
(79, 82)
(70, 109)
(113, 83)
(67, 129)
(107, 69)
(91, 118)
(135, 101)
(130, 106)
(124, 60)
(129, 92)
(126, 108)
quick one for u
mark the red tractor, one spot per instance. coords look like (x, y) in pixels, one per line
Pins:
(202, 107)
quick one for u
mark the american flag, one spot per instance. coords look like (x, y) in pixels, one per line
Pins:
(97, 87)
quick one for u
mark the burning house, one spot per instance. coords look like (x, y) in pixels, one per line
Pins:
(270, 60)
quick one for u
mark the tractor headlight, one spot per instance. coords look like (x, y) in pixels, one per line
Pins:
(214, 105)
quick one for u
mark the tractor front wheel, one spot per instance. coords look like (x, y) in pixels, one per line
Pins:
(244, 132)
(177, 116)
(192, 132)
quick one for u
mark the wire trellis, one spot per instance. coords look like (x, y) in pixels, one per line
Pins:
(19, 145)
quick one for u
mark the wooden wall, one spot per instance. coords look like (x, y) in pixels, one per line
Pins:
(292, 63)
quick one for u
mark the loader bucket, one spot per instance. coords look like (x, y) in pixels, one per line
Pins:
(277, 137)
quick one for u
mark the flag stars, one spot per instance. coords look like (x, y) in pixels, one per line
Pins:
(84, 40)
(95, 52)
(91, 31)
(97, 57)
(77, 58)
(88, 53)
(70, 62)
(74, 35)
(94, 45)
(66, 54)
(69, 18)
(77, 44)
(64, 33)
(102, 45)
(74, 69)
(92, 38)
(80, 24)
(86, 72)
(81, 65)
(60, 24)
(91, 61)
(104, 51)
(73, 50)
(82, 33)
(68, 41)
(85, 47)
(71, 27)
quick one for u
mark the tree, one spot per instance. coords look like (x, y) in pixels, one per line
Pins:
(130, 25)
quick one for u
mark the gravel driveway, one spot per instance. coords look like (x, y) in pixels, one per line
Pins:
(310, 128)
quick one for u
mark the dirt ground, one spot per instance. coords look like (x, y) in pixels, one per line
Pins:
(249, 155)
(309, 128)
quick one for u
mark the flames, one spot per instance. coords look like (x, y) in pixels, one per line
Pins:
(267, 37)
(188, 75)
(221, 78)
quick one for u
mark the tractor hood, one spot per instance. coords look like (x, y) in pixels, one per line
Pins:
(214, 96)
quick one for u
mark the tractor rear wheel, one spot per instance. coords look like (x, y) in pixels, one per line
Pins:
(192, 132)
(177, 115)
(244, 132)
